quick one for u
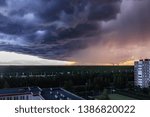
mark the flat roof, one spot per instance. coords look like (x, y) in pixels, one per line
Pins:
(46, 93)
(59, 94)
(14, 91)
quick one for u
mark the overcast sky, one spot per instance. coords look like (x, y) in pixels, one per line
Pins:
(85, 31)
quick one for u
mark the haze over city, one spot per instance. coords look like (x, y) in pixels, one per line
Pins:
(74, 32)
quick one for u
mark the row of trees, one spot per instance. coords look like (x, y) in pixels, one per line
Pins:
(78, 83)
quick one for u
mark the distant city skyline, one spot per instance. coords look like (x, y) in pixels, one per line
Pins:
(74, 32)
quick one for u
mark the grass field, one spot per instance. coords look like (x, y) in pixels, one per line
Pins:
(120, 97)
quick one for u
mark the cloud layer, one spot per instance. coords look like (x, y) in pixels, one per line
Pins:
(11, 58)
(86, 31)
(125, 38)
(52, 28)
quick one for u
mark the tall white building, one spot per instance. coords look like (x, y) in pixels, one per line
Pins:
(142, 73)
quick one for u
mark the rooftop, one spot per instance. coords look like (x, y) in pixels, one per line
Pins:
(46, 93)
(59, 94)
(144, 60)
(15, 91)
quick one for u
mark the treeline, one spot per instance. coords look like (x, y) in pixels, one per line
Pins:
(18, 71)
(78, 83)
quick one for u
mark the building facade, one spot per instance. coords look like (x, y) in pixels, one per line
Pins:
(142, 73)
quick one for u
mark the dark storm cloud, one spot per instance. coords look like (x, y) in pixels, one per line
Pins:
(124, 40)
(81, 30)
(134, 21)
(106, 11)
(53, 28)
(2, 2)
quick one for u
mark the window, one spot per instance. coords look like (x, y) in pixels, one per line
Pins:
(21, 97)
(16, 98)
(27, 97)
(140, 82)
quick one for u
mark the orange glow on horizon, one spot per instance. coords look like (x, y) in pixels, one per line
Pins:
(72, 63)
(128, 62)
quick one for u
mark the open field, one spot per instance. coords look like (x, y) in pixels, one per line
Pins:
(120, 97)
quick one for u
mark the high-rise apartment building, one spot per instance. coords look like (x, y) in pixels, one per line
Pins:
(142, 73)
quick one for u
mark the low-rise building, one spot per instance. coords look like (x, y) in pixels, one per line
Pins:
(36, 93)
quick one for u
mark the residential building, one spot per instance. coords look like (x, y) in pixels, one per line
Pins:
(142, 73)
